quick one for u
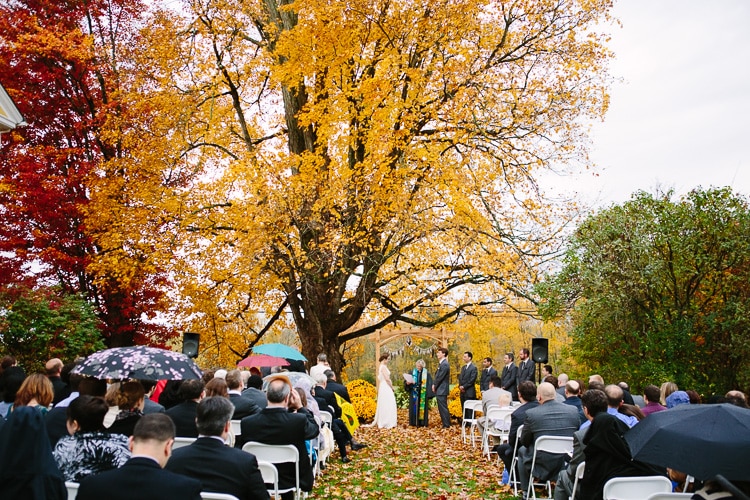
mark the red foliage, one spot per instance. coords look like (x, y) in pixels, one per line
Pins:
(62, 79)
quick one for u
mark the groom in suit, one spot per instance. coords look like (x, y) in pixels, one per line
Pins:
(467, 379)
(441, 386)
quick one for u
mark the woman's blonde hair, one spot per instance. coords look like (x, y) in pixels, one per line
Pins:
(35, 386)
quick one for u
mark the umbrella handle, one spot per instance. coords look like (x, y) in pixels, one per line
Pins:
(724, 482)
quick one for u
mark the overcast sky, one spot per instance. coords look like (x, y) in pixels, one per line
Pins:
(680, 113)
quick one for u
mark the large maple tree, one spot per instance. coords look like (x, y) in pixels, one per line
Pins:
(62, 63)
(361, 162)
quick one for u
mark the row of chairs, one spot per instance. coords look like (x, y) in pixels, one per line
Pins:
(72, 488)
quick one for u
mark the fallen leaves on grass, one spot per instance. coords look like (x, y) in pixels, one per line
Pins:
(412, 463)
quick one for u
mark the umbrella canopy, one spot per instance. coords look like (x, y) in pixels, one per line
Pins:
(141, 362)
(700, 440)
(259, 360)
(298, 379)
(279, 350)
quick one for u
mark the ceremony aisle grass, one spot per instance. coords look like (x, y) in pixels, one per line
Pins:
(411, 463)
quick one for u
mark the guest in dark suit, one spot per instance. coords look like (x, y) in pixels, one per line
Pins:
(334, 386)
(284, 421)
(549, 419)
(149, 386)
(142, 476)
(219, 468)
(59, 388)
(487, 373)
(242, 406)
(441, 386)
(527, 396)
(467, 379)
(509, 376)
(572, 398)
(183, 414)
(525, 366)
(254, 392)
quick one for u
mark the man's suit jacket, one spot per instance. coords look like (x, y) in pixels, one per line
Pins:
(509, 379)
(517, 418)
(183, 416)
(219, 468)
(468, 379)
(256, 396)
(550, 419)
(243, 407)
(442, 378)
(525, 371)
(484, 378)
(576, 402)
(330, 399)
(152, 407)
(339, 389)
(140, 478)
(279, 426)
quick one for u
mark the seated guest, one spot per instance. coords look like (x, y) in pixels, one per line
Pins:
(651, 395)
(677, 398)
(129, 399)
(242, 406)
(219, 468)
(149, 406)
(89, 449)
(57, 418)
(632, 411)
(217, 387)
(606, 452)
(27, 469)
(284, 421)
(614, 402)
(736, 398)
(183, 414)
(11, 380)
(572, 398)
(527, 396)
(550, 418)
(59, 388)
(35, 392)
(142, 476)
(666, 389)
(254, 392)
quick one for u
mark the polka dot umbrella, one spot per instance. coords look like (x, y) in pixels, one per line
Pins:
(141, 362)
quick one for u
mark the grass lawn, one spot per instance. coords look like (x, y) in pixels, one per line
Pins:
(406, 462)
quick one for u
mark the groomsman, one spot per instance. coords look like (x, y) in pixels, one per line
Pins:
(525, 367)
(467, 380)
(509, 377)
(487, 373)
(441, 386)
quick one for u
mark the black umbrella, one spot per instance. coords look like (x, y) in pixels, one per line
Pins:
(700, 440)
(141, 362)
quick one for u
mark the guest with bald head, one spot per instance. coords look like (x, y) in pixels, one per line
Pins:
(551, 418)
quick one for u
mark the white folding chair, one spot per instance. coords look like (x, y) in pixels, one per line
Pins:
(688, 481)
(72, 488)
(513, 474)
(668, 496)
(236, 427)
(179, 442)
(549, 444)
(277, 454)
(579, 476)
(210, 495)
(471, 406)
(495, 413)
(635, 488)
(270, 476)
(326, 417)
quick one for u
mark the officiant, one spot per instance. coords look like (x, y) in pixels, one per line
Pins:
(418, 385)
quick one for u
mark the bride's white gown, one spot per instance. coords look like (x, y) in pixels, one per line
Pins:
(385, 413)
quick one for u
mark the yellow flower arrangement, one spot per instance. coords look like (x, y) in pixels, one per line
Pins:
(363, 399)
(454, 401)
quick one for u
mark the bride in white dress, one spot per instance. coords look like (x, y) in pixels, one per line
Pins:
(385, 413)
